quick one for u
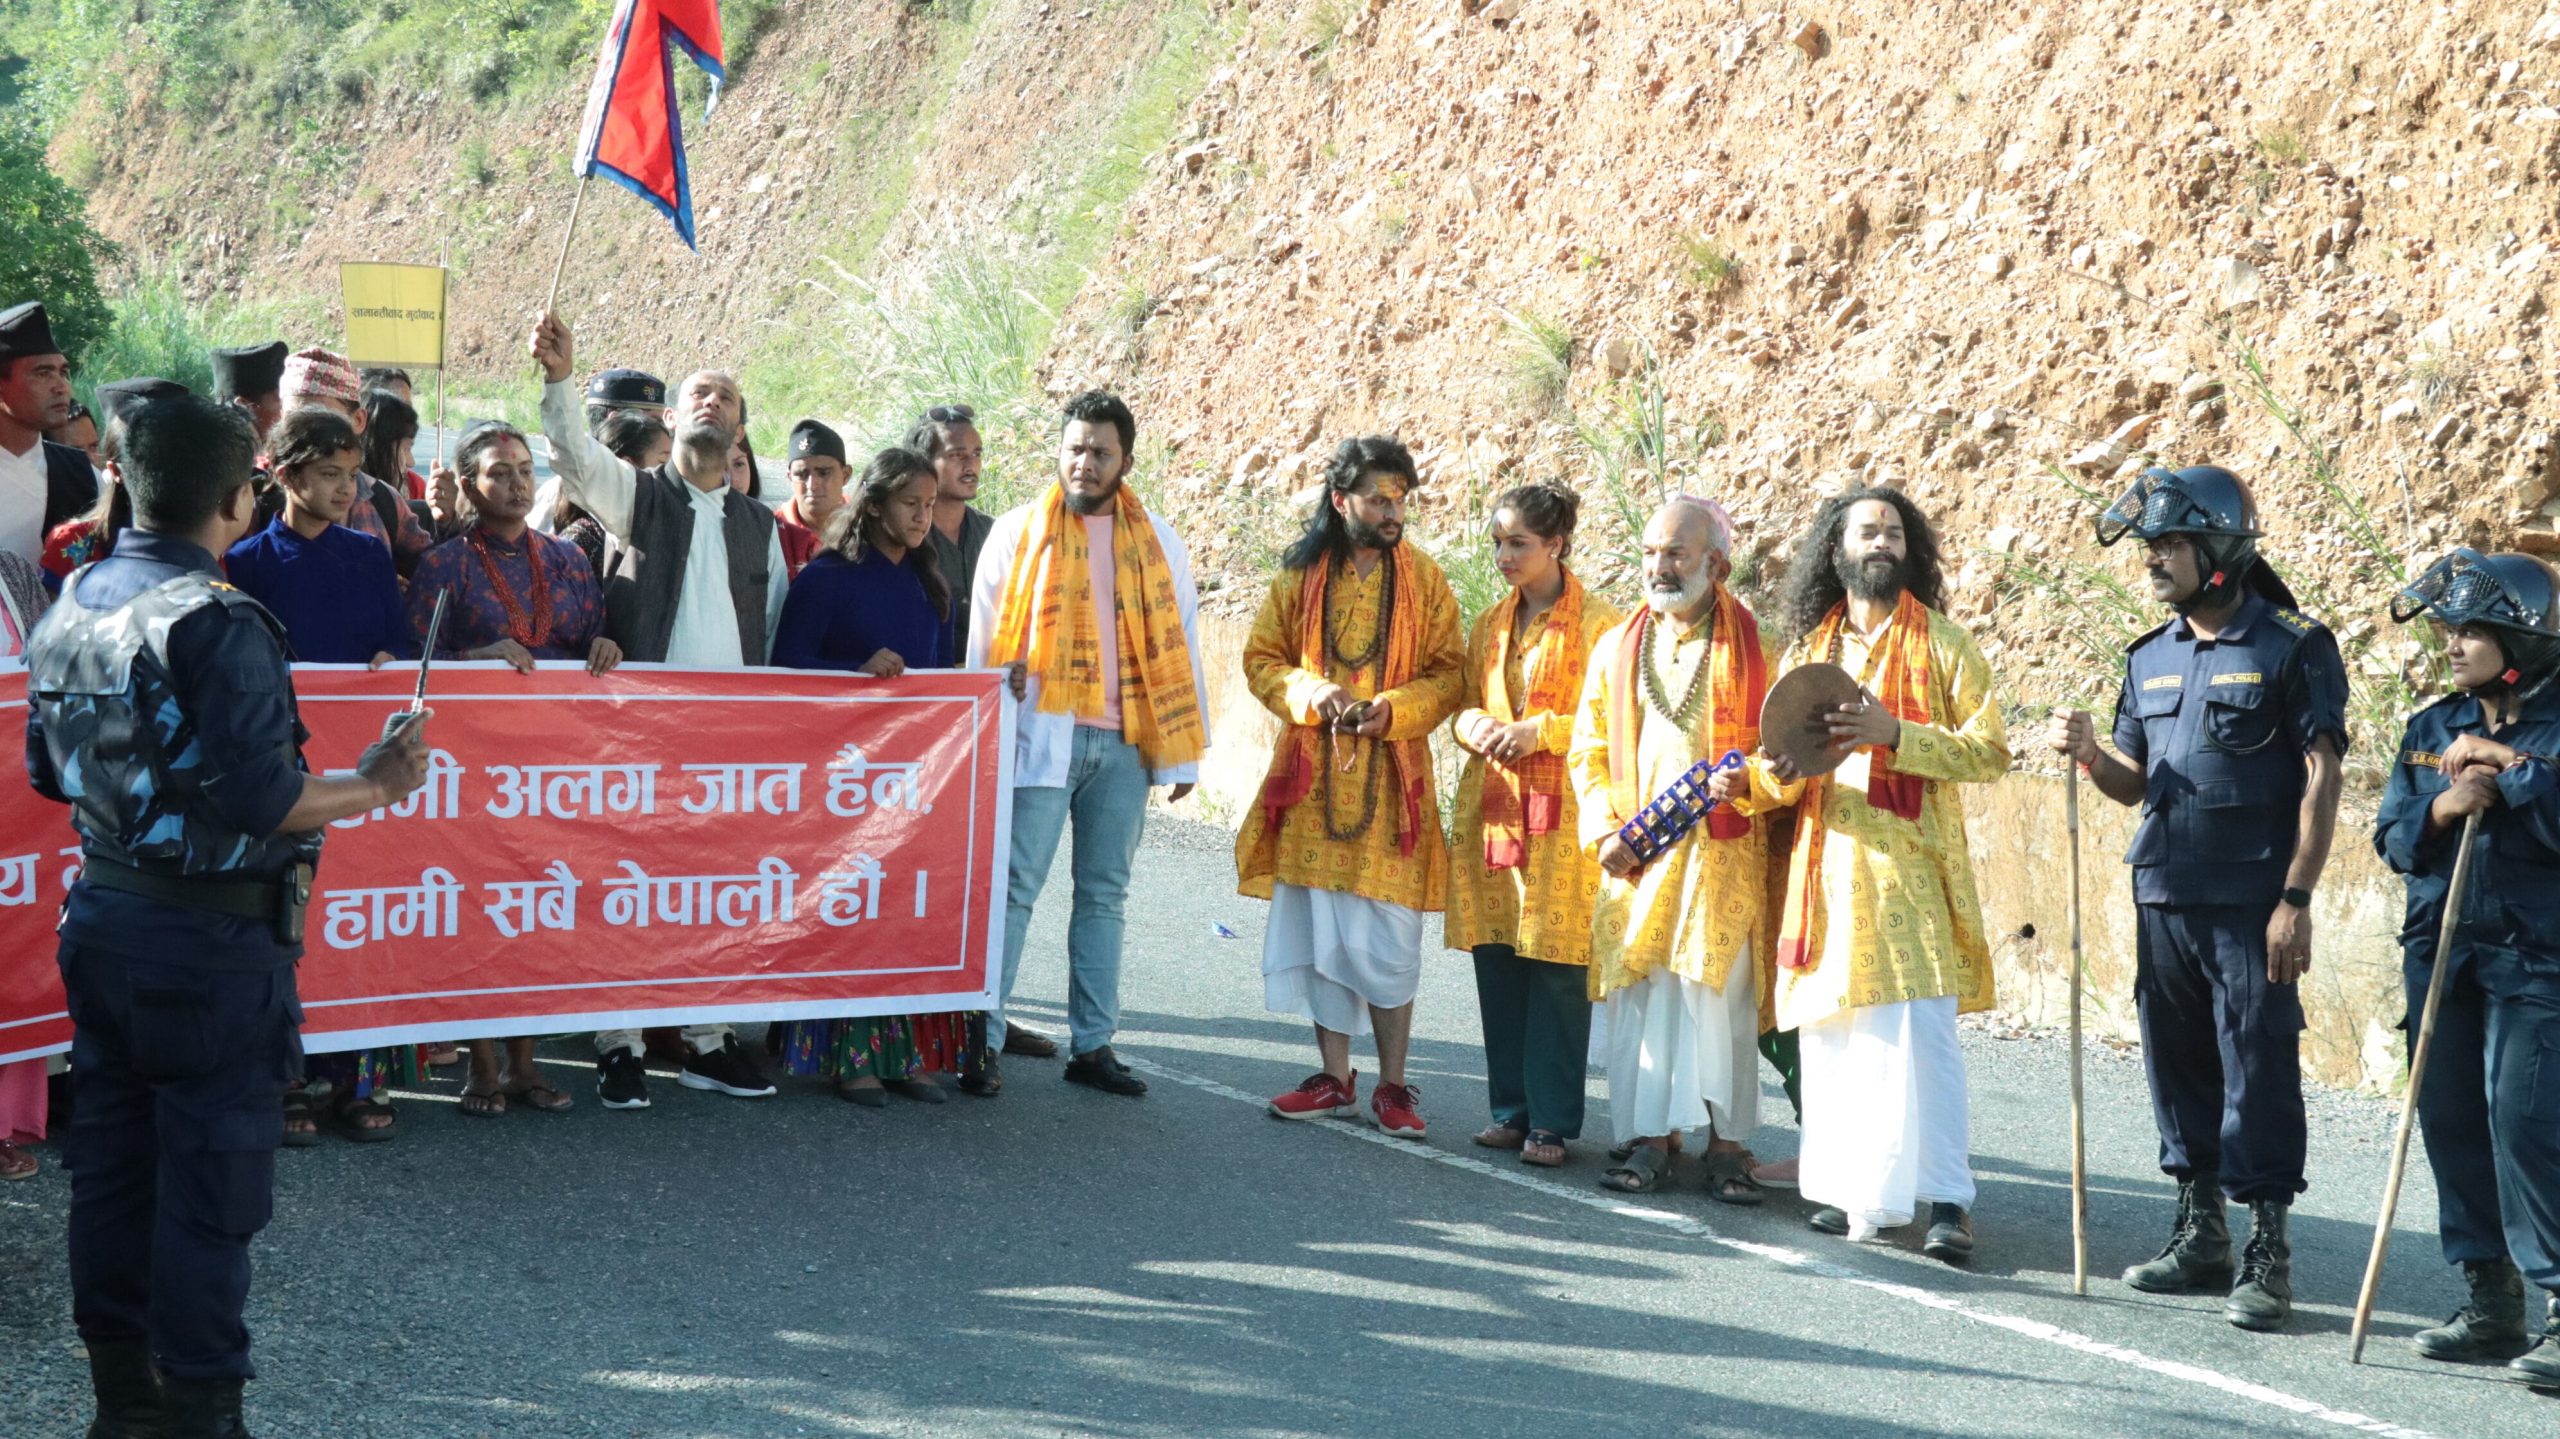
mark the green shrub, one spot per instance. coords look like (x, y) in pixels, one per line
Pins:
(48, 251)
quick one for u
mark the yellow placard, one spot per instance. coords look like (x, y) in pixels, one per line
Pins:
(395, 313)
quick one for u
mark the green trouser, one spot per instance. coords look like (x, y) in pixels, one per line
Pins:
(1537, 1039)
(1778, 1047)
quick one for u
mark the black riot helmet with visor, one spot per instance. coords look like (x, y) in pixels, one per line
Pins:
(2213, 509)
(2511, 594)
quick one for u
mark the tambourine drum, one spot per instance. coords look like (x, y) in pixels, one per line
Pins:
(1794, 719)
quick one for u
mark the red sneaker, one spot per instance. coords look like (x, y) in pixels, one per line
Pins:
(1399, 1110)
(1321, 1097)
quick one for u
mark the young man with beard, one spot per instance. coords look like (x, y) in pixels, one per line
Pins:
(42, 484)
(1678, 944)
(1880, 939)
(1358, 650)
(716, 609)
(815, 461)
(2230, 723)
(2486, 752)
(1089, 598)
(948, 436)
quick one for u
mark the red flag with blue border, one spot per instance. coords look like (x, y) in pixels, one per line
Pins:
(633, 135)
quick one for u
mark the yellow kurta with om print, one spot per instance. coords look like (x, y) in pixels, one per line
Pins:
(1541, 908)
(1302, 853)
(1691, 910)
(1900, 918)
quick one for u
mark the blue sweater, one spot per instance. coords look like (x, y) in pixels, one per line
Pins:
(337, 596)
(840, 614)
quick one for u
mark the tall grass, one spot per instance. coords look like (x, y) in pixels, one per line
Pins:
(153, 330)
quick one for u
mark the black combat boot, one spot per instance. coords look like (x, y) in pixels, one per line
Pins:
(128, 1391)
(2263, 1299)
(2198, 1254)
(2491, 1326)
(204, 1409)
(2540, 1366)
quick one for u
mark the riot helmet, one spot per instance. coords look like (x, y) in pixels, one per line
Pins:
(2512, 594)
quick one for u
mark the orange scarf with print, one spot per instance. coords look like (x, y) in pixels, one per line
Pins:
(1901, 686)
(1293, 771)
(1046, 621)
(1737, 682)
(1526, 797)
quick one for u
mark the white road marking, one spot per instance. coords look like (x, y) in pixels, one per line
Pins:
(1694, 1228)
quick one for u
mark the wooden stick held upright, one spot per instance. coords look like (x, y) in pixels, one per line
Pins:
(2079, 1111)
(551, 299)
(2453, 896)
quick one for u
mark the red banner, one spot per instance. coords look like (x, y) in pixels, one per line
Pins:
(659, 846)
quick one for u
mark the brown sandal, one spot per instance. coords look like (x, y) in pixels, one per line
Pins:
(1729, 1178)
(535, 1095)
(1641, 1172)
(1544, 1148)
(16, 1163)
(483, 1103)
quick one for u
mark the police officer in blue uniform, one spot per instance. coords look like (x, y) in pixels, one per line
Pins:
(2229, 731)
(2491, 749)
(163, 714)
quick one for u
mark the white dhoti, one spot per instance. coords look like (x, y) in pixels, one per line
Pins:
(1682, 1055)
(1329, 956)
(1885, 1127)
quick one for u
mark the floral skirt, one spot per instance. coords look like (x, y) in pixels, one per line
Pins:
(363, 1073)
(889, 1048)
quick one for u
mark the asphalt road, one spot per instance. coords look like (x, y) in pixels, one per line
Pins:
(1059, 1262)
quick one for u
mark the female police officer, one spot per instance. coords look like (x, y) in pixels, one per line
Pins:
(163, 714)
(2488, 749)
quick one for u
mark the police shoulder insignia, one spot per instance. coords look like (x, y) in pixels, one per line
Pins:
(2164, 682)
(2296, 621)
(223, 585)
(2421, 757)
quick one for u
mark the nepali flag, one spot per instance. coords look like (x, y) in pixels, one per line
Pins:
(632, 135)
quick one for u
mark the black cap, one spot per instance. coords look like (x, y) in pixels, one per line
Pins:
(24, 331)
(810, 438)
(248, 372)
(627, 389)
(119, 400)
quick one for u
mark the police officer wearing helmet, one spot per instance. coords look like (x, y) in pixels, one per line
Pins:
(2229, 729)
(163, 714)
(2490, 749)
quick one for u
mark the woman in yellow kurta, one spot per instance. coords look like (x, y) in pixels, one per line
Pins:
(1357, 651)
(1520, 883)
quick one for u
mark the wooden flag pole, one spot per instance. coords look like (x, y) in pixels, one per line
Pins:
(2079, 1111)
(2453, 897)
(549, 301)
(444, 258)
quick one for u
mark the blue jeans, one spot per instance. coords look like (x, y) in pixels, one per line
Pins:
(1106, 795)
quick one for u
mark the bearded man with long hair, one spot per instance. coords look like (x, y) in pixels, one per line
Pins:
(1880, 938)
(1358, 650)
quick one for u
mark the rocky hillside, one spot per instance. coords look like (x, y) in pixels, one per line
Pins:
(1996, 255)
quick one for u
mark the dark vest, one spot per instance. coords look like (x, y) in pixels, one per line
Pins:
(644, 573)
(2224, 775)
(70, 485)
(122, 747)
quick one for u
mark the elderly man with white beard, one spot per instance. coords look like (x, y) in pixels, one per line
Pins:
(1679, 944)
(716, 609)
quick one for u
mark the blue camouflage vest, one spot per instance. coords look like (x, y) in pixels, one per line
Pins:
(125, 752)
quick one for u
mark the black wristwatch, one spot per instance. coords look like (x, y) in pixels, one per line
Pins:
(2298, 898)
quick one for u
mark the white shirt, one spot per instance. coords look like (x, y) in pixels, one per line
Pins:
(23, 489)
(1044, 743)
(604, 485)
